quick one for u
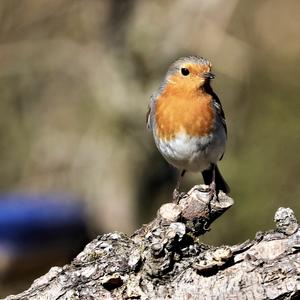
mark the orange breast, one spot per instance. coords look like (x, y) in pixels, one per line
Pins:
(179, 109)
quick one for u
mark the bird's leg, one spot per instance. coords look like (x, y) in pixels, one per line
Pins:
(176, 193)
(213, 190)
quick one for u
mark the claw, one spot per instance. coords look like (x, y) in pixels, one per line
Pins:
(176, 196)
(213, 191)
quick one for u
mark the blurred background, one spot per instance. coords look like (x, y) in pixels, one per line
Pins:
(75, 157)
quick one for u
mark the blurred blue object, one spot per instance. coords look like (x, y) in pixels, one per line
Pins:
(28, 223)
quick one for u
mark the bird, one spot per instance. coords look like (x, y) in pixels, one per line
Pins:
(188, 122)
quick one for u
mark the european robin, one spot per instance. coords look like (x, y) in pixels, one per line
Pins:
(188, 122)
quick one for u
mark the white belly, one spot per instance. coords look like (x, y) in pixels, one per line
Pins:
(193, 153)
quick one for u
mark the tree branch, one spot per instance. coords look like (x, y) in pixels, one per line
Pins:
(165, 259)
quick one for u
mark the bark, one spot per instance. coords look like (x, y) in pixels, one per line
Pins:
(165, 259)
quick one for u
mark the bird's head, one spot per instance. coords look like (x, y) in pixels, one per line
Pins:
(191, 72)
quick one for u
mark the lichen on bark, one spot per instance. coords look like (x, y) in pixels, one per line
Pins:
(165, 260)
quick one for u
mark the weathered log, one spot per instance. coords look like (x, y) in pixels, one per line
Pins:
(165, 259)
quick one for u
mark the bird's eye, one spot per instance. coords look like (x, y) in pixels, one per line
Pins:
(185, 71)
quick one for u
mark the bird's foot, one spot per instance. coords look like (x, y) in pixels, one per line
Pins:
(177, 196)
(213, 191)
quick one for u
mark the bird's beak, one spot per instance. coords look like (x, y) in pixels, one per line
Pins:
(209, 75)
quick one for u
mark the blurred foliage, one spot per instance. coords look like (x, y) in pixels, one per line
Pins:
(75, 82)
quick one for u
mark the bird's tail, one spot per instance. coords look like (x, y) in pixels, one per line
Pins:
(221, 184)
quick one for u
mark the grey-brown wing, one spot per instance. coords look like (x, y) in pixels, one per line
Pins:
(150, 116)
(218, 106)
(148, 122)
(220, 112)
(150, 112)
